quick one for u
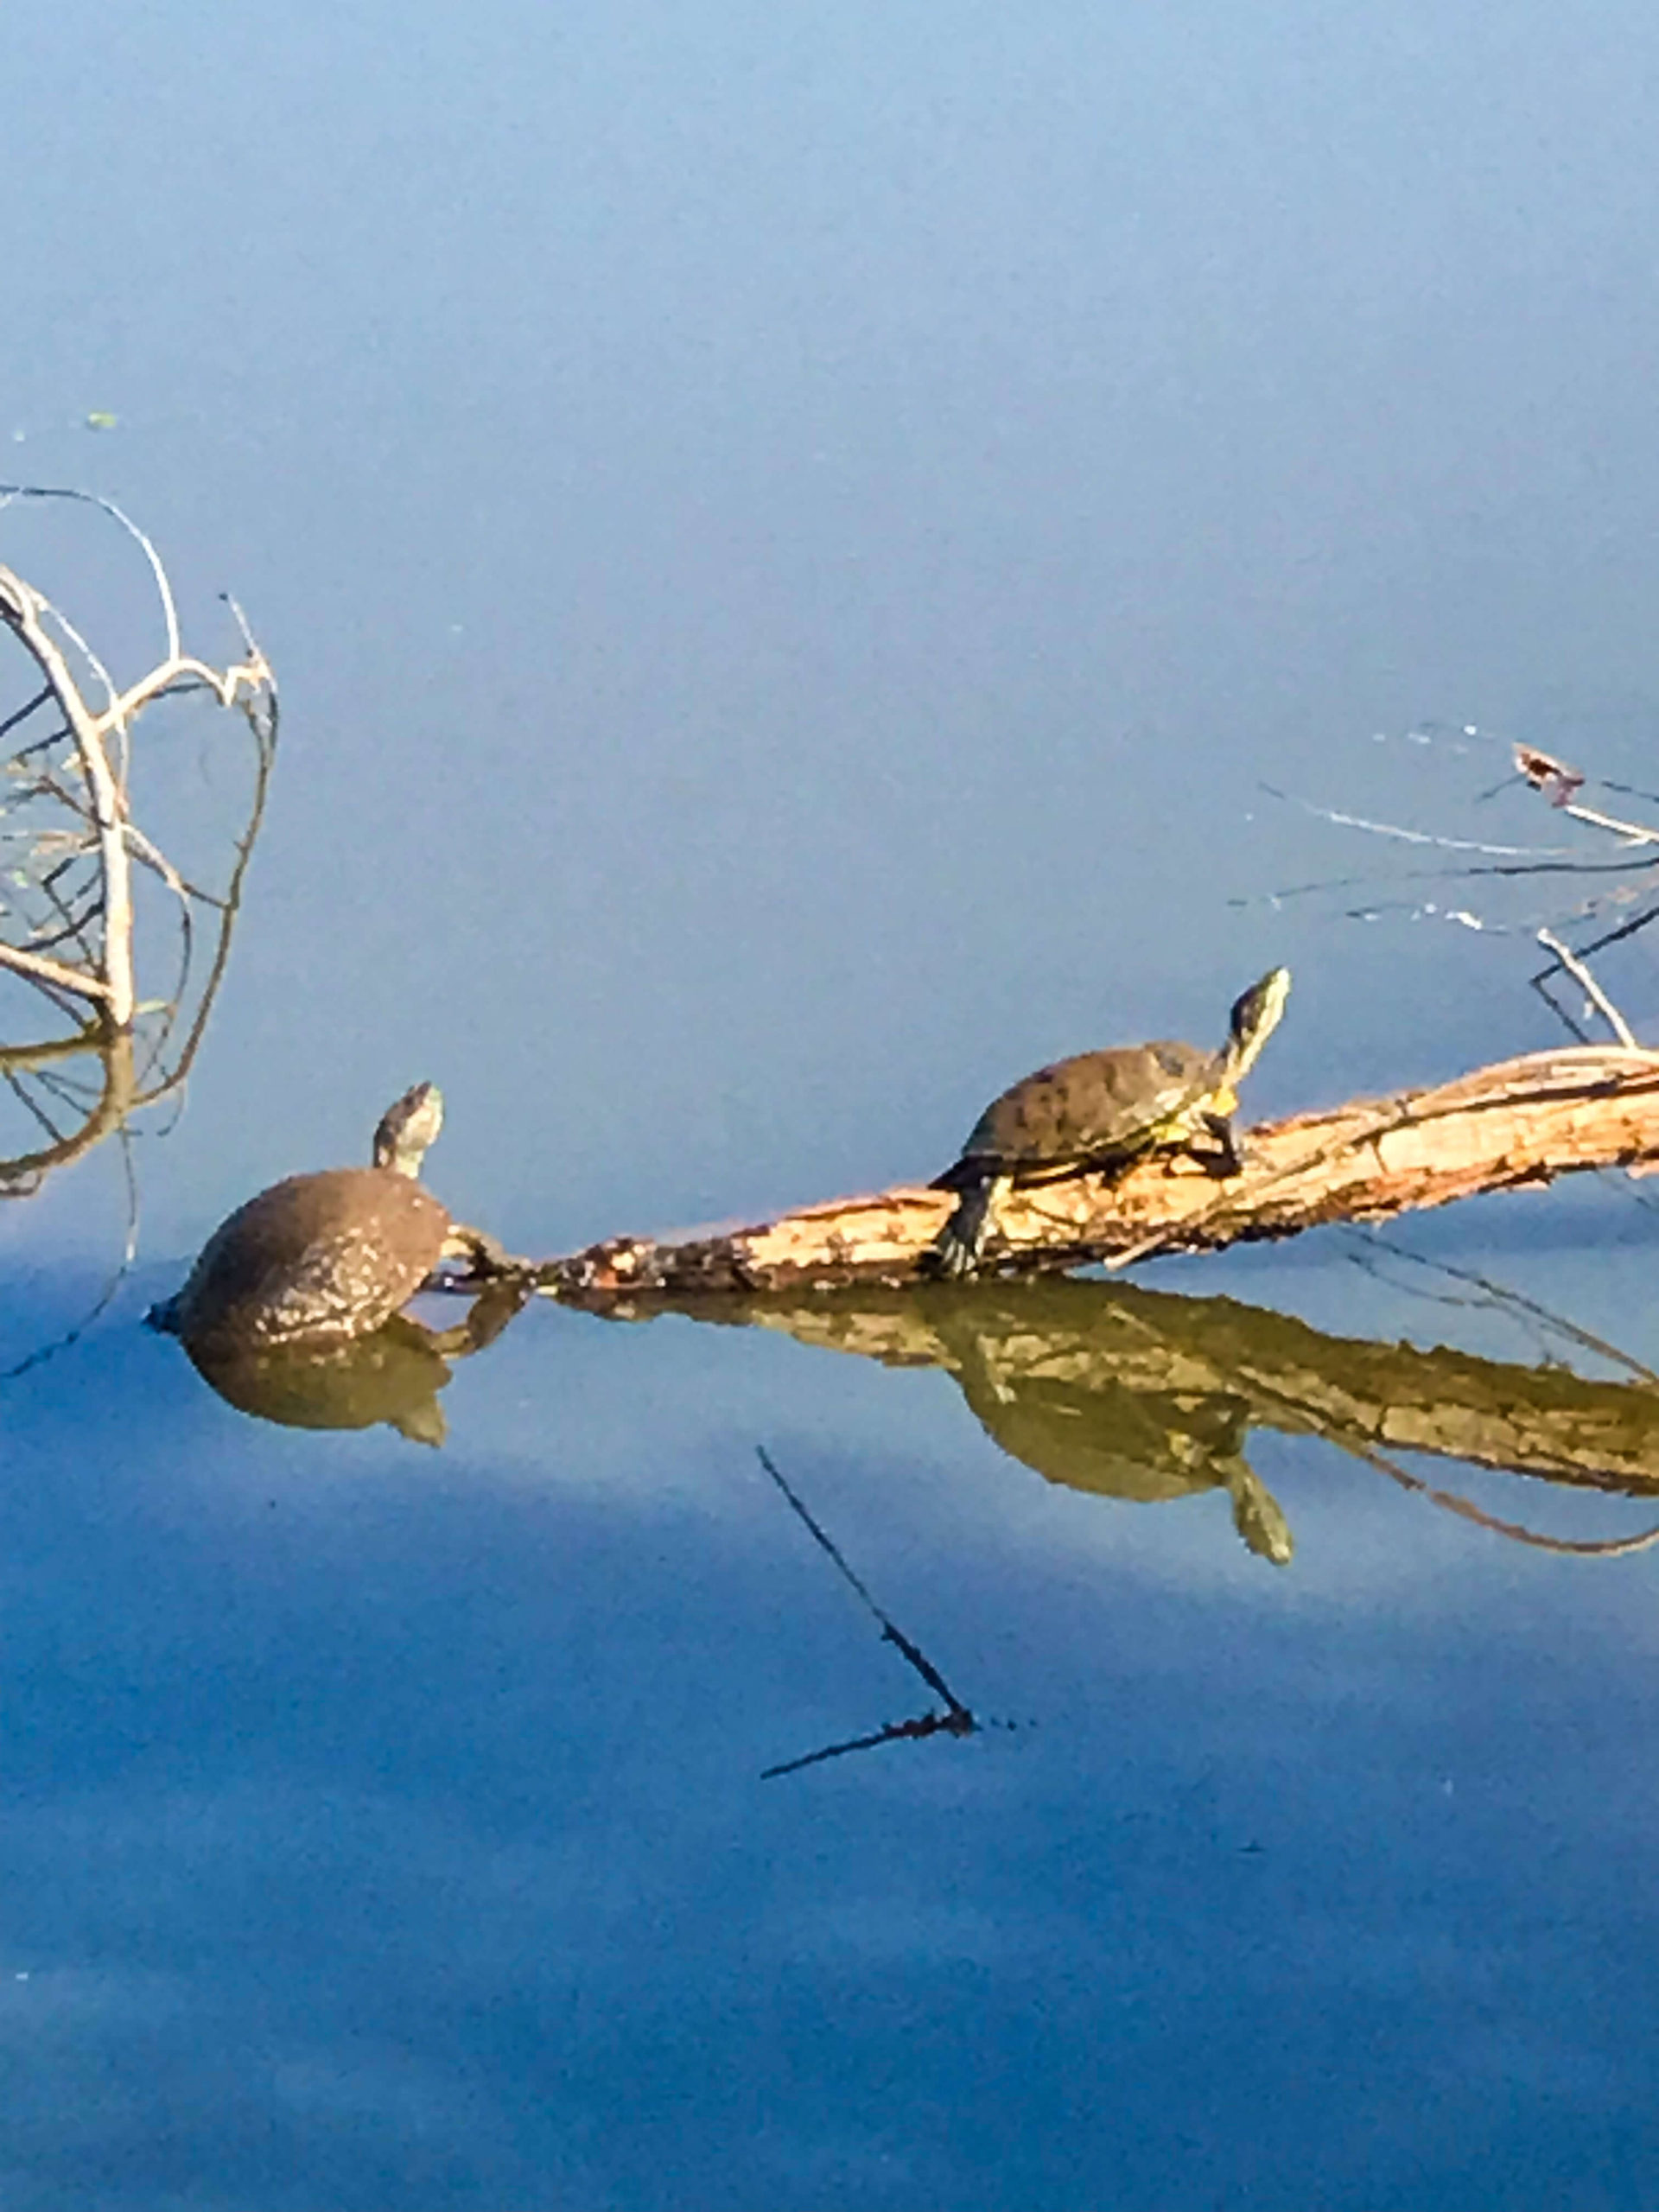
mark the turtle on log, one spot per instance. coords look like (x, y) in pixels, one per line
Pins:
(1101, 1111)
(322, 1258)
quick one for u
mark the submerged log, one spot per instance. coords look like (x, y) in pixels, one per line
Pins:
(1522, 1122)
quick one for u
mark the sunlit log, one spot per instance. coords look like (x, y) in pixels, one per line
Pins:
(1520, 1122)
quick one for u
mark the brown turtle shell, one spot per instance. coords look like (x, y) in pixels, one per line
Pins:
(1094, 1106)
(317, 1257)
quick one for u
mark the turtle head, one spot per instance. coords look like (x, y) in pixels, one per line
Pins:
(1255, 1017)
(407, 1127)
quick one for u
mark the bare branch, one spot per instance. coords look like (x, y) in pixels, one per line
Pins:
(163, 587)
(1403, 836)
(23, 609)
(94, 910)
(72, 844)
(252, 675)
(74, 980)
(1593, 990)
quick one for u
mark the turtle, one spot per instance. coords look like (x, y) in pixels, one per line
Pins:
(326, 1257)
(1103, 1109)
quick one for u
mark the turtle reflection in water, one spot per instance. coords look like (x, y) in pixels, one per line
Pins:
(321, 1260)
(1039, 1380)
(392, 1375)
(1103, 1110)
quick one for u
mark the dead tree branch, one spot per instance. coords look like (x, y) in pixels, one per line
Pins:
(1580, 904)
(75, 924)
(78, 772)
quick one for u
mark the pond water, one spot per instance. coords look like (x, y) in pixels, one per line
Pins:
(813, 565)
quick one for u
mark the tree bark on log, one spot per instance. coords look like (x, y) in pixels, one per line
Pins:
(1522, 1121)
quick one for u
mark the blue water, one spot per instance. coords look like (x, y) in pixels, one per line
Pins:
(817, 561)
(388, 1825)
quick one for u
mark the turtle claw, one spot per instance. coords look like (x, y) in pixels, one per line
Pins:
(487, 1258)
(952, 1259)
(961, 1243)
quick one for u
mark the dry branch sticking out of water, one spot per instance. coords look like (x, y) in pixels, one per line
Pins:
(1520, 1121)
(69, 780)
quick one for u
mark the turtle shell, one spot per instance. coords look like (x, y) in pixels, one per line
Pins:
(319, 1257)
(1094, 1106)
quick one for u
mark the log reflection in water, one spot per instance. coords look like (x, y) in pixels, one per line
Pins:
(1149, 1396)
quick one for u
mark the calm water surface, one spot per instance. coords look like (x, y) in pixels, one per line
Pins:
(389, 1824)
(792, 551)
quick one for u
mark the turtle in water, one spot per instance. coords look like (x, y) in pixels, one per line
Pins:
(1101, 1111)
(322, 1258)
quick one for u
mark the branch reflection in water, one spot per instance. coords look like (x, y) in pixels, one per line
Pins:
(956, 1720)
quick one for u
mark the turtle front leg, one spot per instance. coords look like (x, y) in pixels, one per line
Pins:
(485, 1254)
(1227, 1160)
(957, 1251)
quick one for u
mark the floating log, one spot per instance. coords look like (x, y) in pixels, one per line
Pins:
(1520, 1123)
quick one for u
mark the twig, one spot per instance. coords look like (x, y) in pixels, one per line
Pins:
(1581, 975)
(24, 609)
(1633, 833)
(1498, 1295)
(1403, 836)
(957, 1719)
(954, 1723)
(55, 972)
(93, 903)
(1464, 1509)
